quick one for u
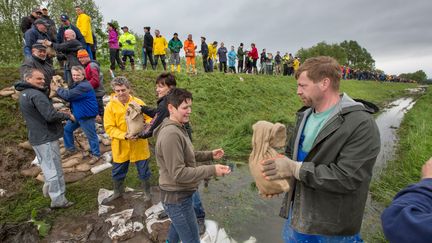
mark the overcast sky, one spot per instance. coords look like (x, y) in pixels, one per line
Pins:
(397, 33)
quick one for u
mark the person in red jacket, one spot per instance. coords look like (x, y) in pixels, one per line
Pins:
(254, 55)
(94, 75)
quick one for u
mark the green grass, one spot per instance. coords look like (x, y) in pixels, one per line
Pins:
(414, 148)
(224, 109)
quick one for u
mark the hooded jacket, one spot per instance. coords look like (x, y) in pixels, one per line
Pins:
(177, 160)
(113, 39)
(148, 42)
(84, 25)
(212, 51)
(159, 45)
(126, 46)
(334, 181)
(70, 49)
(189, 47)
(95, 77)
(31, 36)
(44, 123)
(42, 65)
(115, 126)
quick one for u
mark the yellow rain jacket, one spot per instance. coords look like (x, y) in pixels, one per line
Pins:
(84, 25)
(115, 126)
(212, 52)
(296, 64)
(159, 45)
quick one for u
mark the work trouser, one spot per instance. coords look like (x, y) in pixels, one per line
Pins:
(49, 158)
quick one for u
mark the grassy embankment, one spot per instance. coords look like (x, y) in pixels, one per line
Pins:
(224, 109)
(414, 148)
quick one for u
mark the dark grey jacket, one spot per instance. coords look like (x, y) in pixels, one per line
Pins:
(330, 197)
(42, 65)
(44, 123)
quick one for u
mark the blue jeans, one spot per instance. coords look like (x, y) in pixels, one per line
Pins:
(184, 225)
(197, 205)
(89, 128)
(119, 170)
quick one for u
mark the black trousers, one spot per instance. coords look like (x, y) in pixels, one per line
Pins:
(115, 57)
(224, 65)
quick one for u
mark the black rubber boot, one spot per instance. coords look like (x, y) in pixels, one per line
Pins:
(118, 192)
(145, 185)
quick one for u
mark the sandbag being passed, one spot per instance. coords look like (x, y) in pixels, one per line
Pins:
(267, 137)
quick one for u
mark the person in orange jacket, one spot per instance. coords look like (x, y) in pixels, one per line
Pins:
(189, 48)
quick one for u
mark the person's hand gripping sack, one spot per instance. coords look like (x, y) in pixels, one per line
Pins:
(280, 168)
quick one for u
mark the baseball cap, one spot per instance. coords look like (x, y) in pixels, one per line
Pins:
(40, 21)
(37, 10)
(64, 17)
(39, 46)
(124, 27)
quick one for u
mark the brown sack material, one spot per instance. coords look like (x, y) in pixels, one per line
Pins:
(106, 141)
(266, 137)
(40, 177)
(71, 162)
(25, 145)
(83, 167)
(134, 119)
(5, 93)
(51, 52)
(32, 171)
(16, 95)
(69, 170)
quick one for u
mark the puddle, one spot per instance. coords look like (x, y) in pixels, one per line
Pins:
(235, 205)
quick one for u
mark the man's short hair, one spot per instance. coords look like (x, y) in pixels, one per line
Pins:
(120, 81)
(321, 67)
(178, 96)
(28, 73)
(167, 79)
(147, 28)
(78, 68)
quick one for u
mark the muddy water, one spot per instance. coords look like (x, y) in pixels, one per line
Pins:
(234, 203)
(388, 122)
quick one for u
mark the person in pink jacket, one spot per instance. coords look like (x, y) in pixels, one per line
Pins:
(114, 47)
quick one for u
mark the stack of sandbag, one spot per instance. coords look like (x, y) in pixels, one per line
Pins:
(267, 137)
(10, 91)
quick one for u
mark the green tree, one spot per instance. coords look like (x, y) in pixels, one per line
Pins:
(357, 56)
(11, 39)
(324, 49)
(419, 76)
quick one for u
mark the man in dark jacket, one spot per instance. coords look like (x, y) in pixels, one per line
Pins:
(240, 56)
(66, 25)
(409, 217)
(148, 48)
(205, 54)
(329, 160)
(27, 21)
(45, 127)
(38, 61)
(52, 29)
(36, 34)
(69, 48)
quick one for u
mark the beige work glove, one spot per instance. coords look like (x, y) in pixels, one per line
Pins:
(280, 168)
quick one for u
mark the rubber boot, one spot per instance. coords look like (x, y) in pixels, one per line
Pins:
(133, 66)
(172, 68)
(164, 66)
(118, 192)
(178, 68)
(145, 186)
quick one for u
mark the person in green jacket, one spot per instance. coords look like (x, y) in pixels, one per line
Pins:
(175, 45)
(127, 43)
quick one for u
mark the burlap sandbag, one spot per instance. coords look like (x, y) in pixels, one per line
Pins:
(266, 137)
(134, 119)
(58, 81)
